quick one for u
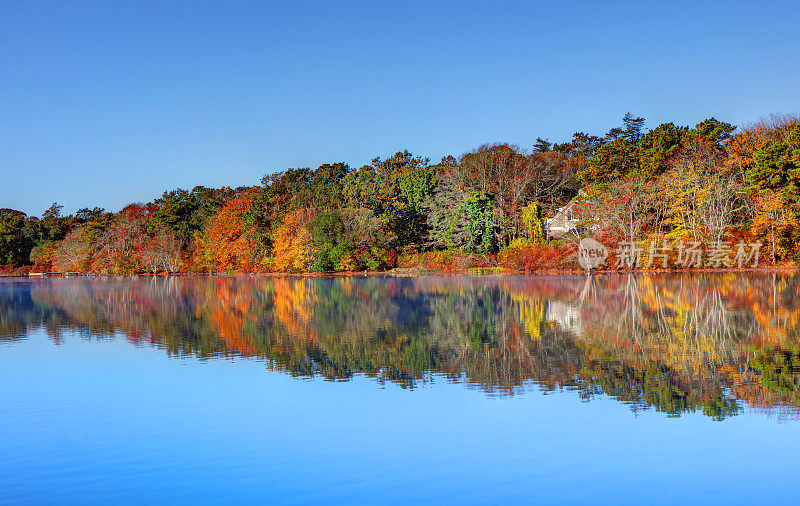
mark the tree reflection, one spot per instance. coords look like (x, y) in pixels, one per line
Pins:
(674, 343)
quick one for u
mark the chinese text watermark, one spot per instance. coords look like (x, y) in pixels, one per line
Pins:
(691, 254)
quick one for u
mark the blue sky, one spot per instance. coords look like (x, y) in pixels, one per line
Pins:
(107, 104)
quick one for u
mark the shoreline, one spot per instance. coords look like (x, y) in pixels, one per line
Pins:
(411, 272)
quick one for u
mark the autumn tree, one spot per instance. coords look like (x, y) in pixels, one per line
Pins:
(293, 242)
(499, 175)
(225, 245)
(184, 212)
(741, 148)
(161, 253)
(327, 184)
(622, 208)
(776, 222)
(705, 201)
(774, 180)
(533, 217)
(73, 253)
(117, 246)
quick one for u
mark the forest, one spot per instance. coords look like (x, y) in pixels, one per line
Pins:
(709, 184)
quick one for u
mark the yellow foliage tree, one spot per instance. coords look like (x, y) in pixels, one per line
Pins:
(774, 221)
(292, 242)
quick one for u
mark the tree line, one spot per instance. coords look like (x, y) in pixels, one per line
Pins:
(708, 183)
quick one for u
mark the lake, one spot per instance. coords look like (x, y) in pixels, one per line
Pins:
(555, 389)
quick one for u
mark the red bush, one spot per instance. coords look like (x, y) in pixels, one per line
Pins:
(540, 257)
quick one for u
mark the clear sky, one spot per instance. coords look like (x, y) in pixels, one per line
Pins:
(105, 105)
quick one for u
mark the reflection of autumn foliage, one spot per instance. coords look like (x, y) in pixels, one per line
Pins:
(294, 299)
(647, 382)
(716, 327)
(778, 372)
(228, 312)
(675, 343)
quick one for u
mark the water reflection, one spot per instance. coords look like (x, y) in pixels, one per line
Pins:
(674, 343)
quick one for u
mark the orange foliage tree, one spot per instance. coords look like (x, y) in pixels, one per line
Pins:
(225, 246)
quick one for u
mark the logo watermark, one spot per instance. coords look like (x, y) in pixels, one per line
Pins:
(591, 253)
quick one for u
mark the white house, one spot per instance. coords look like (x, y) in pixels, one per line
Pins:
(563, 222)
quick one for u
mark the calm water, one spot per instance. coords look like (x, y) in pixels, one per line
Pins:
(657, 389)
